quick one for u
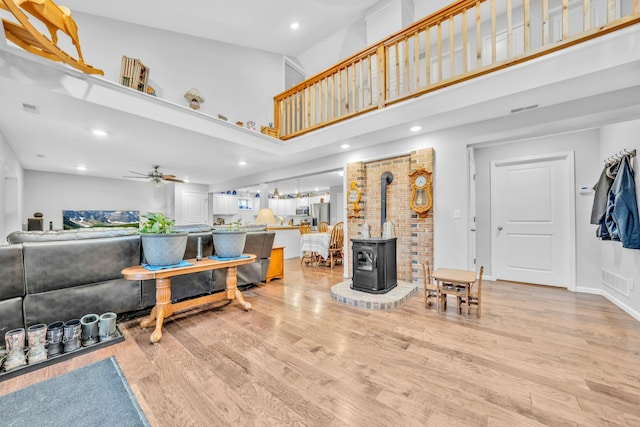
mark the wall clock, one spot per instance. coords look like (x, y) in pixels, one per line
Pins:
(421, 200)
(354, 198)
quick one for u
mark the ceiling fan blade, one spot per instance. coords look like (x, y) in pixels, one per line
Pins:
(172, 178)
(144, 175)
(138, 177)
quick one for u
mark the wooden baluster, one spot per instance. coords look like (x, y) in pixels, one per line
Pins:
(545, 23)
(397, 70)
(493, 32)
(354, 86)
(452, 48)
(382, 85)
(478, 35)
(565, 19)
(611, 10)
(405, 82)
(465, 47)
(339, 76)
(361, 63)
(439, 52)
(332, 97)
(416, 59)
(427, 55)
(509, 30)
(527, 26)
(586, 15)
(307, 105)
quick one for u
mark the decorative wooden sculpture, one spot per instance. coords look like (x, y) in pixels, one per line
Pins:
(354, 199)
(55, 18)
(421, 200)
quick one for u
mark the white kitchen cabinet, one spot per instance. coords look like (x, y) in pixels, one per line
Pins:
(283, 207)
(225, 204)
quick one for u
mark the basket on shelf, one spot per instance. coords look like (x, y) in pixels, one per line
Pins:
(269, 131)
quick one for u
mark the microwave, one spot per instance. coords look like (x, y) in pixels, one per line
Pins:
(302, 210)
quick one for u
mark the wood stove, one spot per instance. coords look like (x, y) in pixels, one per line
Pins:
(374, 265)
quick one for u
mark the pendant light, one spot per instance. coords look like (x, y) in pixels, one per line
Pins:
(298, 193)
(276, 193)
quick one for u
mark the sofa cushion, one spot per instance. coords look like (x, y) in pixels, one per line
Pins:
(11, 272)
(118, 295)
(84, 233)
(65, 264)
(11, 317)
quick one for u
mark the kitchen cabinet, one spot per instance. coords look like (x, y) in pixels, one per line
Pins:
(224, 204)
(276, 264)
(283, 207)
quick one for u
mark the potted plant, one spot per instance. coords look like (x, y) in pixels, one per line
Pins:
(228, 242)
(160, 244)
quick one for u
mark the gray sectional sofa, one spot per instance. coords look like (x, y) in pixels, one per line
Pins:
(61, 275)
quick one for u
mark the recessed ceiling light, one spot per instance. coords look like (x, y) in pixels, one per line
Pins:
(242, 163)
(98, 132)
(82, 168)
(344, 146)
(294, 25)
(40, 156)
(415, 128)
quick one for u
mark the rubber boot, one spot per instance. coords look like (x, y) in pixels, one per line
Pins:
(14, 340)
(37, 335)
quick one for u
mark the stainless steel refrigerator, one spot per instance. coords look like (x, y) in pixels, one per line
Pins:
(320, 212)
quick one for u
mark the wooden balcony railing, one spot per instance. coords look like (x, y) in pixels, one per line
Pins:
(467, 39)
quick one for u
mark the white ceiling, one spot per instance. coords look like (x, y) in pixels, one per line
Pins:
(260, 24)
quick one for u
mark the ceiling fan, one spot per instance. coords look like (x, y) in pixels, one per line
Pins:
(155, 176)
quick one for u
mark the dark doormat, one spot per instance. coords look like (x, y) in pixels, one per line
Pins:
(94, 395)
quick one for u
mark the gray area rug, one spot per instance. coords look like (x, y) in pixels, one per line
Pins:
(94, 395)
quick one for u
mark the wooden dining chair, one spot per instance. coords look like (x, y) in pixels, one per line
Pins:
(475, 294)
(323, 227)
(336, 244)
(431, 289)
(308, 257)
(305, 229)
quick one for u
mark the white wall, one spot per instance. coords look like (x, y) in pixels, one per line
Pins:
(333, 49)
(615, 258)
(235, 81)
(586, 146)
(51, 193)
(11, 191)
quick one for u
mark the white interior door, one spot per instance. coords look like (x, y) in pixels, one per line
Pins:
(533, 220)
(194, 207)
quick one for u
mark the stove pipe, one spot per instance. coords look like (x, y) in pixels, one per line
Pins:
(386, 179)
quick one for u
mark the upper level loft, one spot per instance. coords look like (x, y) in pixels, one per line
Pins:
(467, 39)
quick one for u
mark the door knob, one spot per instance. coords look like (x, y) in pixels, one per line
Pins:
(499, 228)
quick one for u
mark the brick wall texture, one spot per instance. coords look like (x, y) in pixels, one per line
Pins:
(414, 234)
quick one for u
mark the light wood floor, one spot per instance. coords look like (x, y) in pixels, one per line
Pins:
(538, 356)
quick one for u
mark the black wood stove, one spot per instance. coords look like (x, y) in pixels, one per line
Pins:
(374, 265)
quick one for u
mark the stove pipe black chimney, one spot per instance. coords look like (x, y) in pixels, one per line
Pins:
(386, 179)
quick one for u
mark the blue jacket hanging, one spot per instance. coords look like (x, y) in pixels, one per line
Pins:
(621, 217)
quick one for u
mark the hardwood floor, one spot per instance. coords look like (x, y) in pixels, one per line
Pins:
(538, 356)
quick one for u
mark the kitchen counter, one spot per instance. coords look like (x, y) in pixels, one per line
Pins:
(289, 237)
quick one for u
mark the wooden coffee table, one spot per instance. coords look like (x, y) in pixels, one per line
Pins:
(164, 308)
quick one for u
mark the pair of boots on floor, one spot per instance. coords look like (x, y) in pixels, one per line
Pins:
(37, 335)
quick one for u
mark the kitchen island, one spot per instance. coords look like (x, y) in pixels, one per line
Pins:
(289, 237)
